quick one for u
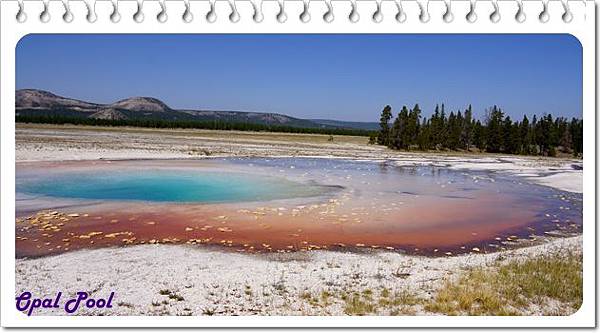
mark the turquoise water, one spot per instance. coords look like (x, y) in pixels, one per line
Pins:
(168, 186)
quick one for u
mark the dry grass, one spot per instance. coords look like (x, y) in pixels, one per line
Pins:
(366, 302)
(385, 302)
(546, 285)
(214, 134)
(550, 285)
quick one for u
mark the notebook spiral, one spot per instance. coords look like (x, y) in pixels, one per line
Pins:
(331, 14)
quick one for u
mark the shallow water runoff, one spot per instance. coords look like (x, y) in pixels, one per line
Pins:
(283, 204)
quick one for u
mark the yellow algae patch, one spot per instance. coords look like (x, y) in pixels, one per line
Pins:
(128, 240)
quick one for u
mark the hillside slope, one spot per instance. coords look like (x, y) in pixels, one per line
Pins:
(32, 102)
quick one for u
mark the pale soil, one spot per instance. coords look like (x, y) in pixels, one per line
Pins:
(210, 280)
(226, 283)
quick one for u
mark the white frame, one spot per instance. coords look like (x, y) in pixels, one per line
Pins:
(582, 27)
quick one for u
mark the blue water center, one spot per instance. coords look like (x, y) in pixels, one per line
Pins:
(168, 186)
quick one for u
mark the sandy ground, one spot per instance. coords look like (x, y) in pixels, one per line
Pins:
(201, 280)
(224, 283)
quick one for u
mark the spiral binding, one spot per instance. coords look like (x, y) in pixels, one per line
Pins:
(305, 16)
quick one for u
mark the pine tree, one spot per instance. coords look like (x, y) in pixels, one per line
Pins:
(453, 127)
(400, 135)
(576, 131)
(436, 129)
(507, 139)
(525, 135)
(414, 118)
(443, 127)
(424, 136)
(499, 134)
(467, 129)
(384, 124)
(494, 140)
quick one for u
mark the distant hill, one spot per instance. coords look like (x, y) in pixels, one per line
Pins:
(370, 126)
(39, 103)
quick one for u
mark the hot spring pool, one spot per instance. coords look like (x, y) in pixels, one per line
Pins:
(164, 185)
(283, 204)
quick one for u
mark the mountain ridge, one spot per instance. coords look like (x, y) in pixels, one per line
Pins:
(35, 102)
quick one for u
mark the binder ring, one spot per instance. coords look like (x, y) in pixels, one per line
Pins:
(115, 17)
(257, 14)
(281, 15)
(401, 15)
(354, 16)
(68, 15)
(162, 15)
(328, 16)
(544, 15)
(520, 15)
(234, 16)
(91, 11)
(211, 16)
(138, 16)
(448, 16)
(305, 16)
(424, 16)
(378, 15)
(187, 16)
(495, 15)
(21, 16)
(567, 16)
(471, 15)
(45, 14)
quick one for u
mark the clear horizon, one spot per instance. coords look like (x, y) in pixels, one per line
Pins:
(341, 77)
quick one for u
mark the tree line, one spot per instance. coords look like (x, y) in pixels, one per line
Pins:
(184, 124)
(497, 133)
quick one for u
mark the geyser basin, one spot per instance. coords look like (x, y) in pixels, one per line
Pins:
(167, 185)
(286, 204)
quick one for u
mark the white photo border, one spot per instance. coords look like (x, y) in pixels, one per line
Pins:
(582, 27)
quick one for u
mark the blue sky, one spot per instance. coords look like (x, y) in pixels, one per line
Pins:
(345, 77)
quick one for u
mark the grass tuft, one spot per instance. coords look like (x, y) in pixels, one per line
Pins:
(515, 288)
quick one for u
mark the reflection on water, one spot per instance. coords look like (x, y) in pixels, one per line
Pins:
(287, 205)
